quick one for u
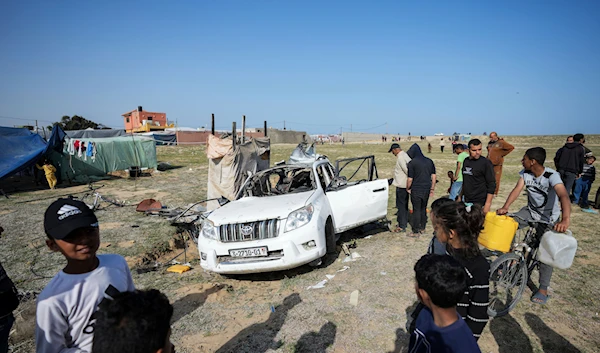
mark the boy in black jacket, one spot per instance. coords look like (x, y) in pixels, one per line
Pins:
(441, 281)
(479, 180)
(420, 185)
(569, 161)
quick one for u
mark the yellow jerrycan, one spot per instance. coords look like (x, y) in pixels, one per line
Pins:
(498, 232)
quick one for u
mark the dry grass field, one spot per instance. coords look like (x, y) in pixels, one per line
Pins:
(275, 312)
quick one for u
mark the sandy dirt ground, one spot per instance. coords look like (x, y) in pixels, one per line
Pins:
(278, 312)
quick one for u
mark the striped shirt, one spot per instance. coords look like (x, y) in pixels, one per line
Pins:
(589, 172)
(473, 305)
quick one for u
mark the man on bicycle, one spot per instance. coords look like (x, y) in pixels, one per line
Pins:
(544, 190)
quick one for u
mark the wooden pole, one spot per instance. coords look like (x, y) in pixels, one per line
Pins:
(212, 125)
(243, 128)
(265, 128)
(177, 132)
(234, 134)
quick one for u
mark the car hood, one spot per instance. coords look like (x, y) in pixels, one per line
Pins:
(250, 209)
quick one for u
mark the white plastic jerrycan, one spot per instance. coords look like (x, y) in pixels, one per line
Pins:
(557, 249)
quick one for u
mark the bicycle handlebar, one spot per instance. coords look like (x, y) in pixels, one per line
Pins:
(91, 187)
(514, 215)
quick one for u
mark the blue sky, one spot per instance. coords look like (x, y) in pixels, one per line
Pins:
(517, 67)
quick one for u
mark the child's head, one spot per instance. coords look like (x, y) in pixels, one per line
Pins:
(440, 280)
(72, 229)
(590, 159)
(532, 156)
(437, 204)
(459, 148)
(458, 225)
(138, 322)
(450, 174)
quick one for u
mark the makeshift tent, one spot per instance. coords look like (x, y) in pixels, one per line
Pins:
(102, 133)
(21, 148)
(109, 154)
(161, 137)
(228, 167)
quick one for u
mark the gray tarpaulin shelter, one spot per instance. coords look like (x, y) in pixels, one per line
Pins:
(162, 137)
(228, 167)
(96, 133)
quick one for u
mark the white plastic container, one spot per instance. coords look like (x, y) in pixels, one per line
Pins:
(557, 249)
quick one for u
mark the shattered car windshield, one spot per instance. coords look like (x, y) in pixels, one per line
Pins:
(280, 181)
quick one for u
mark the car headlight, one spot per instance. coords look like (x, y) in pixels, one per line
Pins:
(299, 218)
(209, 230)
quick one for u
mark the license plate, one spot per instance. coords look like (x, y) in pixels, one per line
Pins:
(250, 252)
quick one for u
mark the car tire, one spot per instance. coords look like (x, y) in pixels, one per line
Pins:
(330, 237)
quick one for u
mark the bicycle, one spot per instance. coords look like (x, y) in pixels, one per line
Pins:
(510, 272)
(97, 198)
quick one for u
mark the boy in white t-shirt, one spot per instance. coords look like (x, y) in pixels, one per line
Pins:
(547, 202)
(66, 306)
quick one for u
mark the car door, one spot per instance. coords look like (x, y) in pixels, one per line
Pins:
(358, 203)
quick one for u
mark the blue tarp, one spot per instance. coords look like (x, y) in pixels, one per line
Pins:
(21, 148)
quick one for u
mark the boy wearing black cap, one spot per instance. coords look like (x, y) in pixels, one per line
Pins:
(66, 306)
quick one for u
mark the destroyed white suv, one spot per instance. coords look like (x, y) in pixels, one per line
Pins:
(289, 215)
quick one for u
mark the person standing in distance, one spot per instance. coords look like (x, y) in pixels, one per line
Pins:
(497, 150)
(420, 185)
(400, 178)
(458, 177)
(569, 161)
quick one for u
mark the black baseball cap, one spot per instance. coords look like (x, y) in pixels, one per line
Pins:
(66, 215)
(394, 145)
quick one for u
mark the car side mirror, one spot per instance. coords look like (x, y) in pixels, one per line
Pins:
(222, 201)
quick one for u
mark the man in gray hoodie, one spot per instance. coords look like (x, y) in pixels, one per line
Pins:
(420, 185)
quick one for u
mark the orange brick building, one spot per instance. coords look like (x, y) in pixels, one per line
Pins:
(140, 120)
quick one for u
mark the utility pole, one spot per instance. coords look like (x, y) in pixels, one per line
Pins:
(350, 127)
(284, 124)
(243, 128)
(234, 134)
(176, 131)
(212, 125)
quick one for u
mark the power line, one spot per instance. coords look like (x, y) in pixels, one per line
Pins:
(13, 118)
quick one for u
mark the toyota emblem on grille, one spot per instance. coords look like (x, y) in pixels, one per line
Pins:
(247, 232)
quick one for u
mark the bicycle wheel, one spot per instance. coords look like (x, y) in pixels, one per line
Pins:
(508, 279)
